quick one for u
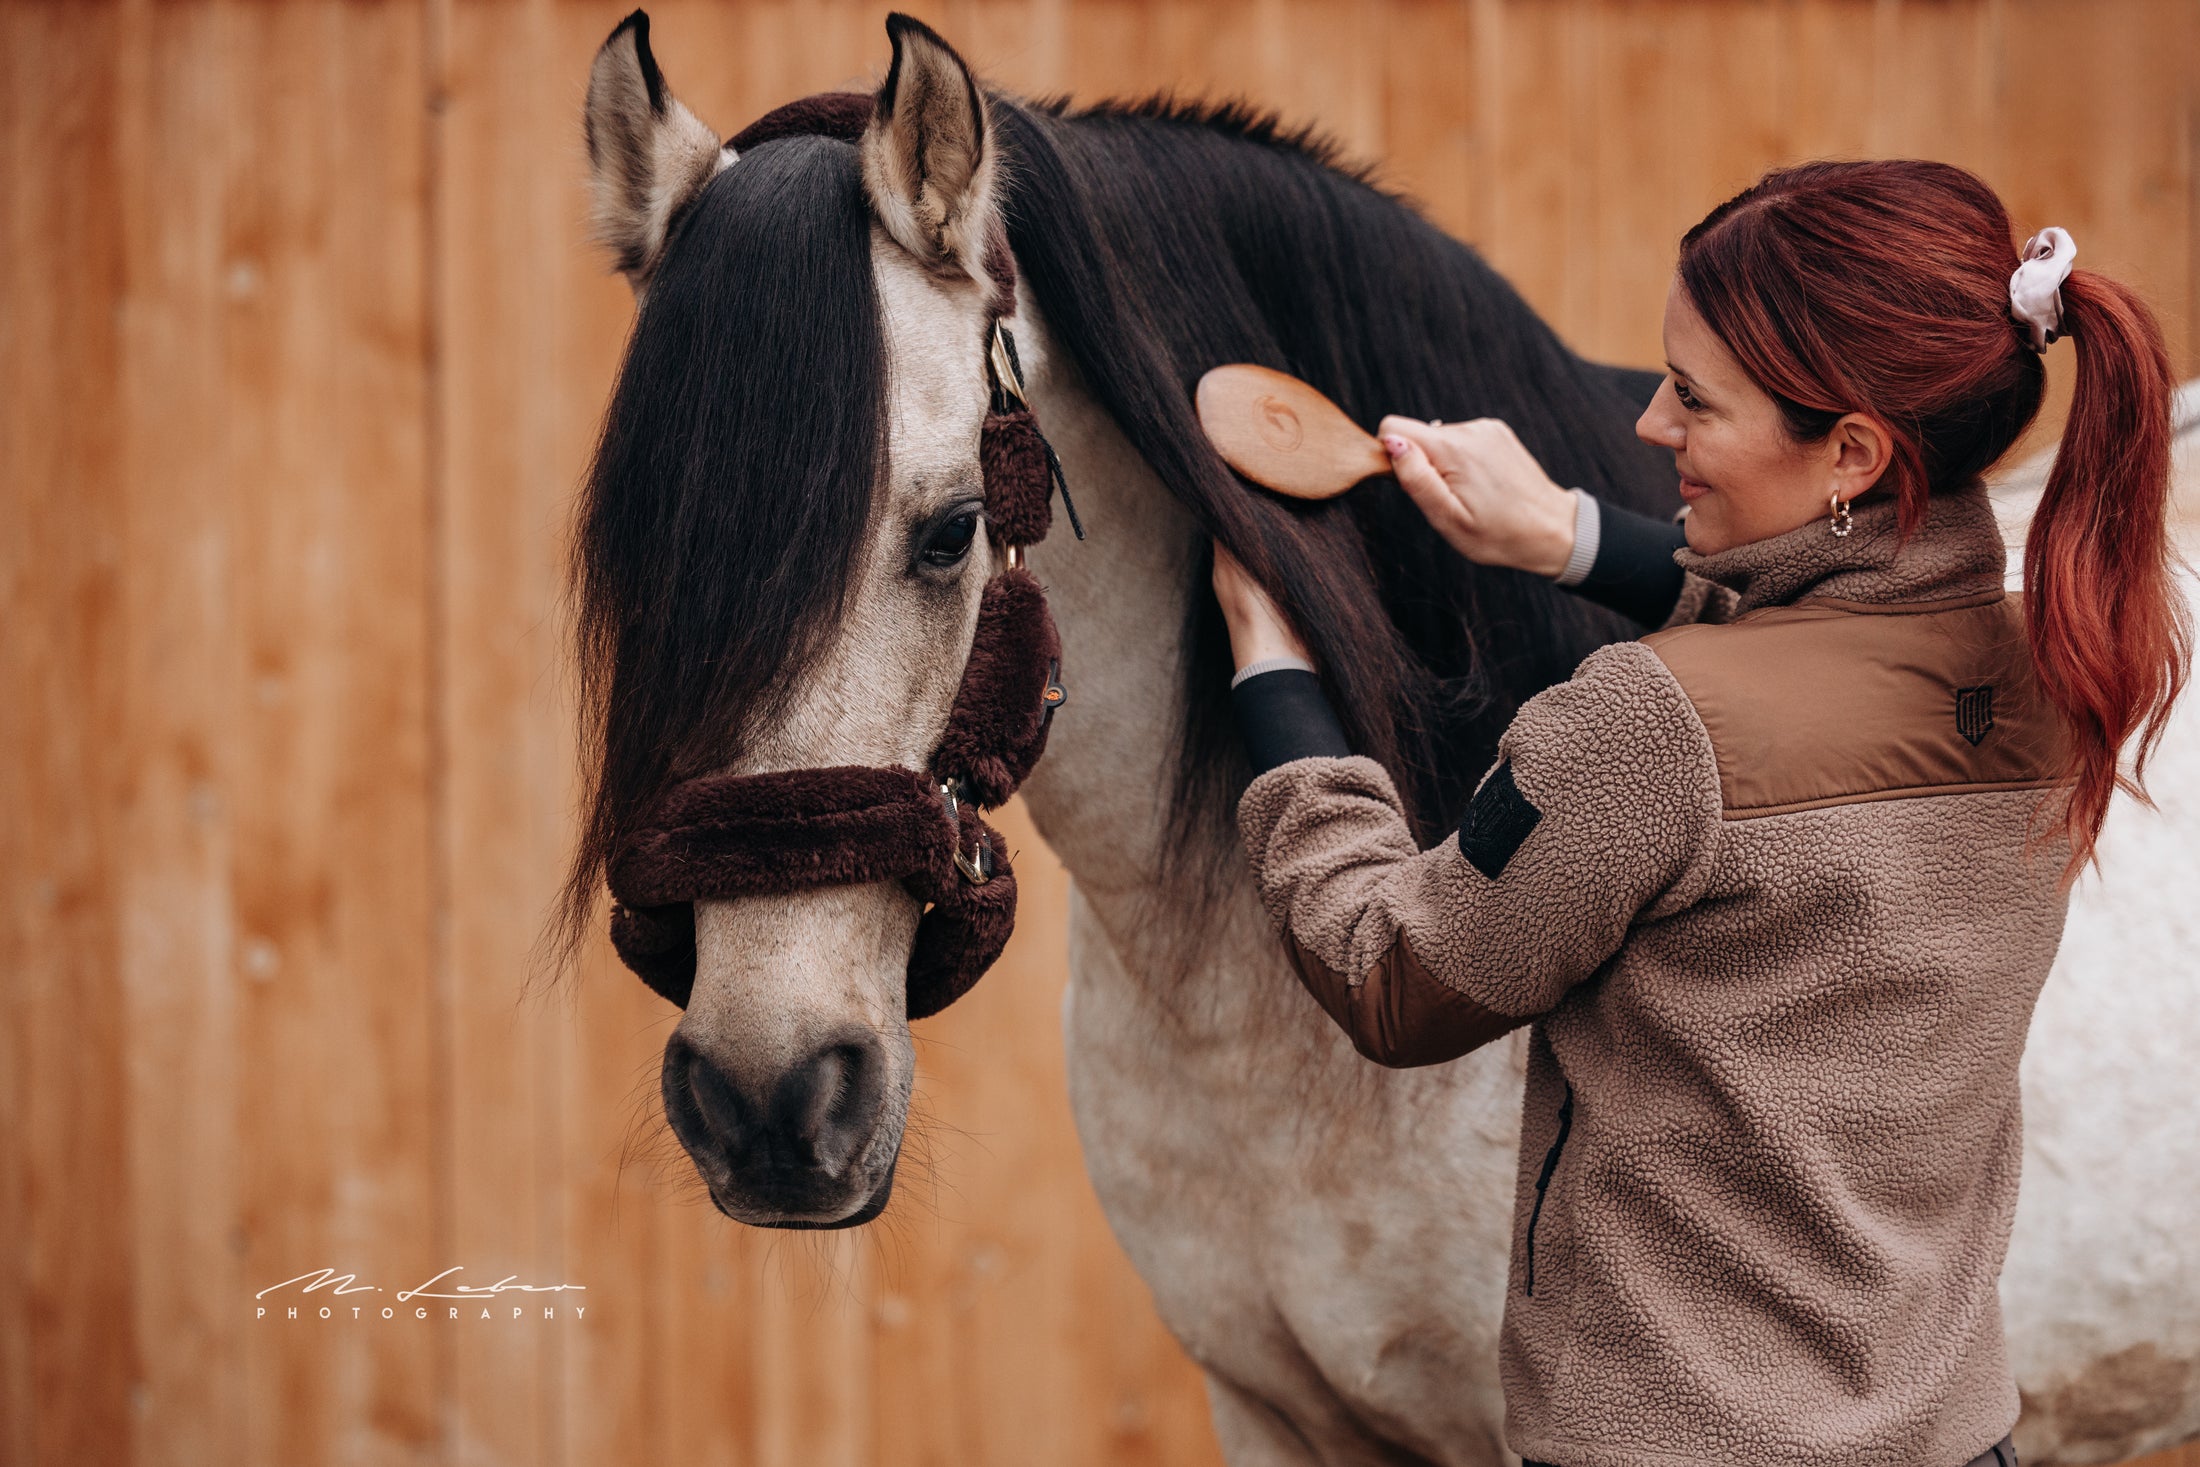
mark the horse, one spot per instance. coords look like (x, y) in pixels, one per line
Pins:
(779, 565)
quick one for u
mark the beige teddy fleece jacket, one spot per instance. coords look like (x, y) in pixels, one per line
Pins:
(1760, 882)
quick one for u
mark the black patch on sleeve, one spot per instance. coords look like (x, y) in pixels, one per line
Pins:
(1498, 820)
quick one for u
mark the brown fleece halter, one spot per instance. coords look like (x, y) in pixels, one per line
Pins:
(729, 835)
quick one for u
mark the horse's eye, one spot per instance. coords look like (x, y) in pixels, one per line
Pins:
(951, 541)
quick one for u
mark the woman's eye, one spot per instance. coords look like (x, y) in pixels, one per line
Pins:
(951, 541)
(1688, 398)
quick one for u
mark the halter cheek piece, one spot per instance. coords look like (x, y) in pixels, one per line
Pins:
(730, 835)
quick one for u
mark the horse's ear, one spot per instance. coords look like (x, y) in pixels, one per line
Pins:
(648, 156)
(928, 153)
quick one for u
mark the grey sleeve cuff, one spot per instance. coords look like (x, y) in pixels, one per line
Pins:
(1631, 566)
(1588, 530)
(1270, 664)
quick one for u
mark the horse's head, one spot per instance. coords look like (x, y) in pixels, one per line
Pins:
(780, 565)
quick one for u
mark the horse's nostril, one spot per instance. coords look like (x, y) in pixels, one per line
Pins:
(718, 1106)
(828, 1104)
(809, 1124)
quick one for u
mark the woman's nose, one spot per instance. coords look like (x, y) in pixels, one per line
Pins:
(1661, 429)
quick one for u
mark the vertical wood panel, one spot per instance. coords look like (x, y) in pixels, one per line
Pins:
(301, 356)
(179, 955)
(321, 360)
(503, 466)
(70, 1289)
(1430, 147)
(2098, 138)
(1651, 131)
(1537, 95)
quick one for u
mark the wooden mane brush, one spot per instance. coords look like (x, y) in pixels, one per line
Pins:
(1283, 434)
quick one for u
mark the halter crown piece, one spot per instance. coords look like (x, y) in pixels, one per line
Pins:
(2035, 286)
(729, 835)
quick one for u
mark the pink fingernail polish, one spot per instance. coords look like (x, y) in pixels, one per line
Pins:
(1396, 446)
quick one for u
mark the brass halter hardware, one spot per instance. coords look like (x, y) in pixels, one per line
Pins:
(977, 867)
(1008, 388)
(1007, 371)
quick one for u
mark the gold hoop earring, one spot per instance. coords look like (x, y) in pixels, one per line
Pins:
(1838, 512)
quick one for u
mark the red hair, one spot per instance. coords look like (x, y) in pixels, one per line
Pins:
(1883, 288)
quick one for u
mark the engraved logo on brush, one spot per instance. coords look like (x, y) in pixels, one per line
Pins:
(1279, 426)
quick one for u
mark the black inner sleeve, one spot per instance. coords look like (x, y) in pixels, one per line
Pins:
(1283, 715)
(1634, 573)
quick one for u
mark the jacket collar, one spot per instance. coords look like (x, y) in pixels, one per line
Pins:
(1956, 552)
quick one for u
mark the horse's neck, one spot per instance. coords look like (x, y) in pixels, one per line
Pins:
(1101, 796)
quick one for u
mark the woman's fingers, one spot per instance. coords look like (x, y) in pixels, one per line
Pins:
(1258, 628)
(1482, 490)
(1239, 595)
(1410, 444)
(1416, 474)
(1432, 494)
(1228, 574)
(1413, 431)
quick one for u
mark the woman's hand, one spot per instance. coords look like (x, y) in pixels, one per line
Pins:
(1258, 630)
(1483, 492)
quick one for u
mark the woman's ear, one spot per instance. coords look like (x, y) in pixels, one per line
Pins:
(1862, 450)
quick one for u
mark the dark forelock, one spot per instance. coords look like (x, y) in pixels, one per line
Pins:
(732, 483)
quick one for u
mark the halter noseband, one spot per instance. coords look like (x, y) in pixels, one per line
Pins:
(729, 835)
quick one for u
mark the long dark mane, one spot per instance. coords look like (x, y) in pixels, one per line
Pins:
(731, 487)
(1161, 240)
(735, 474)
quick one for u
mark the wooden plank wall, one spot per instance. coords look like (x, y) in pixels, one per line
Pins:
(300, 357)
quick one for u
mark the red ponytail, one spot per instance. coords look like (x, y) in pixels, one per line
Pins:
(2111, 637)
(1882, 288)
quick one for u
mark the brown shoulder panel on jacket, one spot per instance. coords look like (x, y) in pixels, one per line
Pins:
(1400, 1014)
(1826, 703)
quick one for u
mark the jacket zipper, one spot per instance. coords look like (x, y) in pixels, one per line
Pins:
(1543, 1181)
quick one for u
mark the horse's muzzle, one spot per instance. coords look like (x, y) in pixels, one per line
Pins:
(791, 1150)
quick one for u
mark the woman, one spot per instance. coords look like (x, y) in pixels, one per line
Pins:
(1776, 886)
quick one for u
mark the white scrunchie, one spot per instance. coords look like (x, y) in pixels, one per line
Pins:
(2035, 287)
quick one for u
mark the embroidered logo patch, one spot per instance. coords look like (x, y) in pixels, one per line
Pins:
(1498, 820)
(1974, 712)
